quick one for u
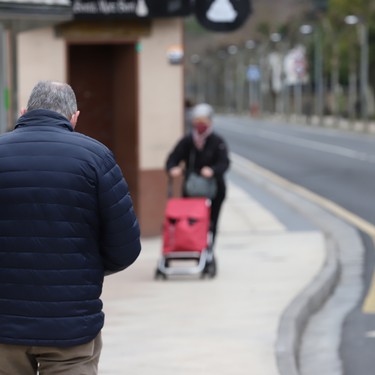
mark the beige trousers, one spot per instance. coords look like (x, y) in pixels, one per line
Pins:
(32, 360)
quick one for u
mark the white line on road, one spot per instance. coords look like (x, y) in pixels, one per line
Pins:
(370, 334)
(312, 145)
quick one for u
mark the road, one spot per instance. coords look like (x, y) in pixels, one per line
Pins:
(336, 165)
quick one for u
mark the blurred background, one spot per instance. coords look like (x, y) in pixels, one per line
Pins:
(137, 66)
(305, 58)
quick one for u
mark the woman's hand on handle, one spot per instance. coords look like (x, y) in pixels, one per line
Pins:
(207, 172)
(175, 172)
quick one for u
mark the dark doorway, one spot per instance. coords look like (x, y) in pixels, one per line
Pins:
(104, 78)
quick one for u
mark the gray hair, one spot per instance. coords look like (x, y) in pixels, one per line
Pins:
(55, 96)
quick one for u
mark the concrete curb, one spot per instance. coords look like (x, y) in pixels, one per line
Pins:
(296, 316)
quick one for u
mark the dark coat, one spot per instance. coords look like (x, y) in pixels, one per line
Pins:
(66, 218)
(214, 155)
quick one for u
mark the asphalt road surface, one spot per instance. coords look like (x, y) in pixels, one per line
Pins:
(335, 164)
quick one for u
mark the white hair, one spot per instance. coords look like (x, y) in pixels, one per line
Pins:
(202, 110)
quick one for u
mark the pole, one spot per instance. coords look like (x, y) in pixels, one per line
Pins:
(14, 82)
(241, 81)
(250, 96)
(335, 84)
(364, 74)
(227, 80)
(352, 90)
(3, 81)
(318, 76)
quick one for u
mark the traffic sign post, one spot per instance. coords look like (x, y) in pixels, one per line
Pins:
(253, 75)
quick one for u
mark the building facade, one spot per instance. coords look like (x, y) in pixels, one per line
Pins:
(129, 92)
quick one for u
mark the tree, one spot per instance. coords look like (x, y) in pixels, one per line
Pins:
(346, 39)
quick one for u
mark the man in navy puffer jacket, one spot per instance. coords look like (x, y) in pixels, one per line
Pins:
(66, 220)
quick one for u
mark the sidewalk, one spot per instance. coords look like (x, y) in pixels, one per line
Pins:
(224, 326)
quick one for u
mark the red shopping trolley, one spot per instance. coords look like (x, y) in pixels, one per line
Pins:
(187, 237)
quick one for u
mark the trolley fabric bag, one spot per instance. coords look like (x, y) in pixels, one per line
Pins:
(186, 225)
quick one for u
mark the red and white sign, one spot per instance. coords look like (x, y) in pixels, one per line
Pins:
(295, 66)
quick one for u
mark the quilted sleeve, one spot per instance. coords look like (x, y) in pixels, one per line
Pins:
(119, 229)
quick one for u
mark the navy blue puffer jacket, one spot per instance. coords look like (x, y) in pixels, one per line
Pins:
(66, 218)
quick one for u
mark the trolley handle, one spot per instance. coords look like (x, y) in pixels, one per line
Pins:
(170, 187)
(171, 184)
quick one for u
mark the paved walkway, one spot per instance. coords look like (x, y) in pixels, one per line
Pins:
(224, 326)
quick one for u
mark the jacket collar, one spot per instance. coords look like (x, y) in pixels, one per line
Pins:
(43, 117)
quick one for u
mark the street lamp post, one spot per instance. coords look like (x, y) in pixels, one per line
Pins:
(230, 77)
(319, 87)
(196, 61)
(318, 69)
(212, 81)
(307, 30)
(253, 78)
(364, 69)
(364, 62)
(239, 78)
(272, 63)
(3, 84)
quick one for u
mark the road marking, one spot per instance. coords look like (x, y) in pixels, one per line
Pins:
(370, 334)
(365, 226)
(309, 144)
(318, 146)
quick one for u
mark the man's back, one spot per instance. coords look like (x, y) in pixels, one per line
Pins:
(65, 218)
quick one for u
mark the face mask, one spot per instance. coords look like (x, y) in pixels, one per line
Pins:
(200, 127)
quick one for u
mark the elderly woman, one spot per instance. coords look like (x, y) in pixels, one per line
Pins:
(204, 152)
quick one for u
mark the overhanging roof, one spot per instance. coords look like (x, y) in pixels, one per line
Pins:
(26, 14)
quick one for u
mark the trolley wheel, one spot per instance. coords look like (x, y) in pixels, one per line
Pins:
(210, 269)
(160, 275)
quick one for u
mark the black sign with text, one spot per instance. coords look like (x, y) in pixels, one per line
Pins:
(222, 15)
(131, 8)
(215, 15)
